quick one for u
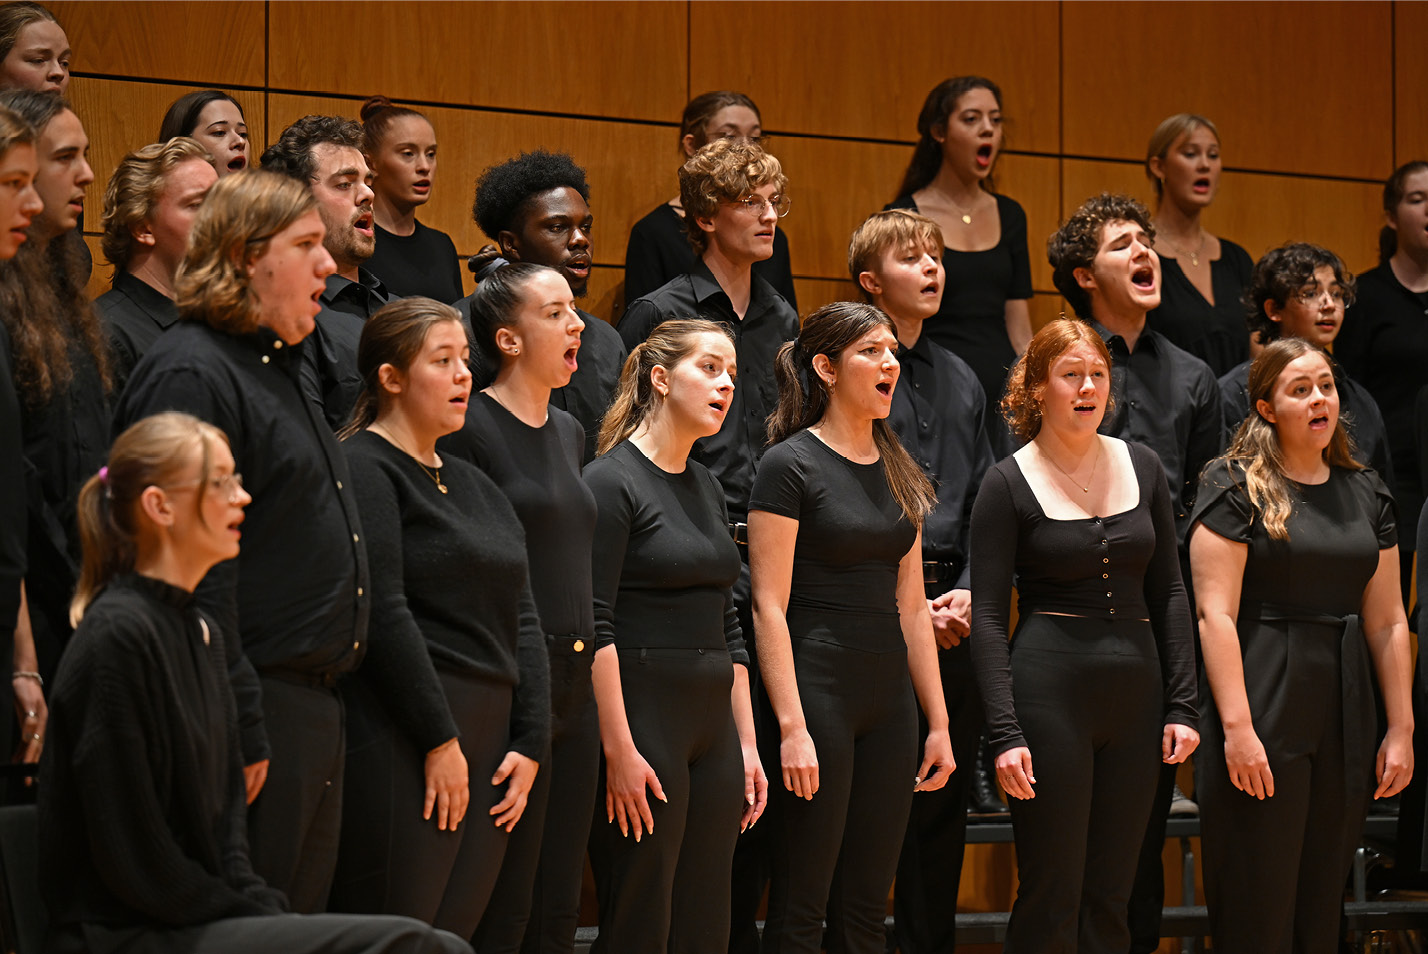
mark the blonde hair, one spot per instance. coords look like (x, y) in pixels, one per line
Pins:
(890, 229)
(723, 171)
(134, 189)
(238, 219)
(1171, 129)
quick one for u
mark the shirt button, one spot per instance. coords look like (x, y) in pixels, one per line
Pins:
(277, 345)
(360, 591)
(1113, 611)
(1104, 576)
(339, 487)
(354, 538)
(924, 425)
(1105, 559)
(265, 359)
(1108, 594)
(356, 644)
(1103, 543)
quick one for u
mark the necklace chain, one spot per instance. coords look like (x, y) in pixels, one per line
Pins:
(1091, 480)
(1195, 255)
(966, 214)
(433, 472)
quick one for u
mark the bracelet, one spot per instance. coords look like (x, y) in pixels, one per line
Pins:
(22, 674)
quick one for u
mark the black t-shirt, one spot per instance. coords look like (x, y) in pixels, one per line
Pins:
(659, 250)
(851, 537)
(423, 263)
(1216, 334)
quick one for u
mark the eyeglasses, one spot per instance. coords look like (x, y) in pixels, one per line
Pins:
(229, 485)
(755, 204)
(1310, 294)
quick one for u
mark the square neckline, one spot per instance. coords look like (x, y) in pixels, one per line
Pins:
(1139, 496)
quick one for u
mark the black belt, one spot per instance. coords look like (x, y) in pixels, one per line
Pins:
(941, 571)
(740, 533)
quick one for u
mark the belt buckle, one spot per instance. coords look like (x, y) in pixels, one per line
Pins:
(740, 533)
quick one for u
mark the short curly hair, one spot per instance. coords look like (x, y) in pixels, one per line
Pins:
(506, 186)
(1281, 273)
(134, 190)
(1075, 244)
(723, 171)
(292, 154)
(1021, 404)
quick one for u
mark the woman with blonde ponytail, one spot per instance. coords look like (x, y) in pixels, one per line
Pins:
(845, 636)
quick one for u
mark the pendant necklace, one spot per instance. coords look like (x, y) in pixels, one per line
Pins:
(433, 472)
(1092, 479)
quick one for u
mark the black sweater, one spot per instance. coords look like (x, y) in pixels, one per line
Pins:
(449, 590)
(142, 816)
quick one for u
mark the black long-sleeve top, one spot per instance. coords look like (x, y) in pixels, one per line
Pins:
(659, 251)
(769, 321)
(134, 315)
(939, 414)
(664, 563)
(1121, 566)
(142, 817)
(538, 469)
(329, 374)
(450, 589)
(297, 596)
(13, 496)
(424, 263)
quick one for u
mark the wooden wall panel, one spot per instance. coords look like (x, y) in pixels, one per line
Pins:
(620, 58)
(1410, 26)
(628, 164)
(863, 69)
(214, 42)
(1293, 88)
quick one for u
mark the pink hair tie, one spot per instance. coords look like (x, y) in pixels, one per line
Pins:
(104, 476)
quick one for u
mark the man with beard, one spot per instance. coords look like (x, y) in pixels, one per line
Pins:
(536, 207)
(325, 153)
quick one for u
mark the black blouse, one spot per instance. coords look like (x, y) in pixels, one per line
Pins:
(1216, 334)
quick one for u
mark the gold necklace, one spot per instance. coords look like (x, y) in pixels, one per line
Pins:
(1195, 255)
(1086, 489)
(965, 213)
(433, 473)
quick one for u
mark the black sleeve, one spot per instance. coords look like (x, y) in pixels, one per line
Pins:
(995, 530)
(1385, 511)
(530, 707)
(640, 318)
(1014, 221)
(1351, 347)
(1202, 445)
(614, 509)
(779, 483)
(1166, 600)
(13, 518)
(733, 631)
(982, 461)
(1223, 504)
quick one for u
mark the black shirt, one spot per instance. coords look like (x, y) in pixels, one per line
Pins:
(1216, 334)
(1122, 566)
(664, 563)
(143, 821)
(767, 324)
(538, 469)
(297, 595)
(939, 414)
(12, 493)
(659, 251)
(1168, 400)
(134, 315)
(329, 374)
(450, 590)
(852, 536)
(423, 263)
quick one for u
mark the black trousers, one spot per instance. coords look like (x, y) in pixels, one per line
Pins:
(395, 862)
(669, 892)
(1147, 900)
(295, 823)
(929, 871)
(535, 907)
(285, 933)
(1089, 700)
(861, 714)
(750, 875)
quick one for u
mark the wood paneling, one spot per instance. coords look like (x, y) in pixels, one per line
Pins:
(814, 293)
(214, 43)
(1293, 87)
(103, 272)
(1046, 306)
(628, 164)
(620, 58)
(121, 116)
(1410, 27)
(863, 69)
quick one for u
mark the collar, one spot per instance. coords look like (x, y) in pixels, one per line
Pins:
(1148, 336)
(921, 348)
(165, 593)
(366, 286)
(155, 303)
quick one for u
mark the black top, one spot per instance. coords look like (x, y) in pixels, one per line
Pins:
(134, 313)
(659, 251)
(767, 324)
(939, 414)
(663, 560)
(538, 469)
(329, 374)
(1384, 344)
(12, 493)
(143, 821)
(851, 537)
(423, 263)
(972, 320)
(1121, 566)
(297, 593)
(1356, 407)
(1216, 334)
(450, 590)
(1168, 400)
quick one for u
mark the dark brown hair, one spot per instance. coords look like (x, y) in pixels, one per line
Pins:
(1393, 192)
(1280, 274)
(1076, 243)
(182, 116)
(1021, 404)
(936, 110)
(395, 335)
(495, 304)
(702, 109)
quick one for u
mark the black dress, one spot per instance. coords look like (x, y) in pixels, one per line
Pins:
(1275, 869)
(659, 250)
(1216, 334)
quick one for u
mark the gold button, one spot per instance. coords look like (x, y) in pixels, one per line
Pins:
(1104, 576)
(1105, 559)
(277, 345)
(339, 487)
(354, 646)
(579, 646)
(354, 538)
(265, 359)
(1113, 611)
(1108, 594)
(359, 591)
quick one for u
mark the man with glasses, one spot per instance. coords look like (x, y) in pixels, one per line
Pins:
(733, 196)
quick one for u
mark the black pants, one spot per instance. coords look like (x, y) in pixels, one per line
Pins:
(1088, 698)
(861, 714)
(929, 871)
(750, 875)
(296, 822)
(285, 933)
(395, 862)
(670, 891)
(535, 907)
(1147, 900)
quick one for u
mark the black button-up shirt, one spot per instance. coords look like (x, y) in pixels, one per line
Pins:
(939, 414)
(295, 600)
(134, 313)
(329, 374)
(769, 321)
(1169, 400)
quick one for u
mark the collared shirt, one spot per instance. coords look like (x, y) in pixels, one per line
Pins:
(329, 373)
(134, 313)
(769, 321)
(1169, 400)
(939, 414)
(296, 598)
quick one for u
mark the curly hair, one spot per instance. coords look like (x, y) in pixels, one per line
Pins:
(1281, 273)
(292, 155)
(1076, 243)
(505, 187)
(723, 171)
(182, 116)
(134, 190)
(936, 110)
(1021, 404)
